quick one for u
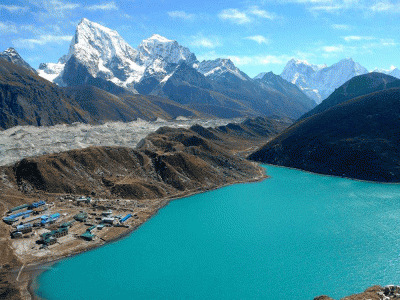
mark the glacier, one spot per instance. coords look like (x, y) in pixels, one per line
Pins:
(21, 142)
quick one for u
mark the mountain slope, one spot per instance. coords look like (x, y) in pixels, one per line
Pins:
(28, 99)
(357, 139)
(271, 81)
(357, 86)
(318, 82)
(99, 56)
(103, 106)
(189, 87)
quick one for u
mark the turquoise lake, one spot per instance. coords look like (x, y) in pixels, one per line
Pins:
(294, 236)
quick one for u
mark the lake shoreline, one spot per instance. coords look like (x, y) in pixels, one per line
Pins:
(33, 274)
(332, 176)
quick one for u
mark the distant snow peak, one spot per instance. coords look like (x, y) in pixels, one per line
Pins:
(393, 71)
(319, 81)
(160, 38)
(216, 68)
(170, 51)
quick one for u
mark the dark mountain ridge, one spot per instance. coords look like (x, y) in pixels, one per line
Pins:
(357, 86)
(358, 139)
(28, 99)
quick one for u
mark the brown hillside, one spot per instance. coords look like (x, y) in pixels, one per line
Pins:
(168, 161)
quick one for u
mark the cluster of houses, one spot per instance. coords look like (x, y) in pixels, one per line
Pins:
(20, 213)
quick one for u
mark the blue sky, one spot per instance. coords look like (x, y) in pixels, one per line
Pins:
(258, 36)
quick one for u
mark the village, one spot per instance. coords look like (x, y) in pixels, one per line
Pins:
(47, 230)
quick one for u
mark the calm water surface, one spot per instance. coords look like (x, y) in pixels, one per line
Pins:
(294, 236)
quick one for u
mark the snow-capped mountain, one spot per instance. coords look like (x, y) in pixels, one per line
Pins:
(12, 55)
(51, 71)
(99, 52)
(159, 47)
(393, 71)
(220, 67)
(319, 81)
(99, 57)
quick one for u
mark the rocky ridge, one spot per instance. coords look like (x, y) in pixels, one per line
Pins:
(373, 293)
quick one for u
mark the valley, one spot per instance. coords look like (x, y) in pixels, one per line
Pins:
(168, 164)
(98, 135)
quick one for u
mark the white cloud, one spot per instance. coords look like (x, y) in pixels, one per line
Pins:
(61, 6)
(334, 6)
(7, 28)
(357, 38)
(246, 16)
(327, 8)
(53, 9)
(234, 15)
(104, 6)
(382, 6)
(14, 8)
(387, 42)
(258, 38)
(341, 26)
(42, 40)
(204, 43)
(386, 7)
(181, 15)
(333, 49)
(262, 13)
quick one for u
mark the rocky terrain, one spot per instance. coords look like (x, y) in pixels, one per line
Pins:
(167, 164)
(373, 293)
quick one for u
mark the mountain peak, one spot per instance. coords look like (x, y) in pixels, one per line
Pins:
(94, 42)
(83, 20)
(347, 60)
(269, 75)
(11, 55)
(168, 50)
(160, 38)
(299, 61)
(11, 50)
(319, 81)
(217, 67)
